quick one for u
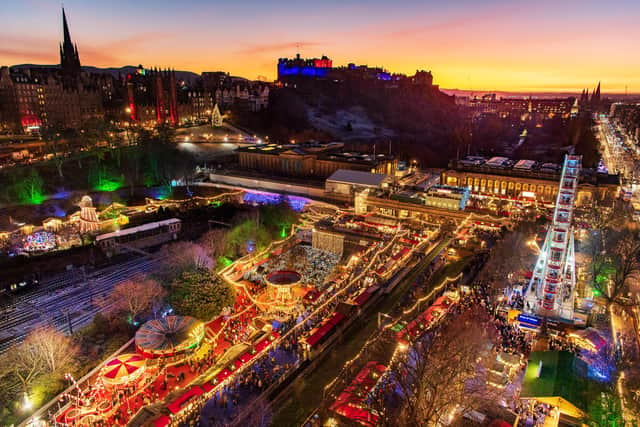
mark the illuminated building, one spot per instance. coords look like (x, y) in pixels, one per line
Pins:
(311, 159)
(69, 58)
(536, 109)
(298, 70)
(438, 196)
(32, 97)
(348, 182)
(299, 67)
(446, 197)
(152, 96)
(525, 180)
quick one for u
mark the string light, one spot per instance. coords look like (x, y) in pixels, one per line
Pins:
(228, 273)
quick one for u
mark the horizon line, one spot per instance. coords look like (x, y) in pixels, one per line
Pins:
(515, 91)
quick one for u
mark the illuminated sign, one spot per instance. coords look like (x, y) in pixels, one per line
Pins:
(529, 320)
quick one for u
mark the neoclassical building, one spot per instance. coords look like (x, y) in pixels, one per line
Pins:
(541, 185)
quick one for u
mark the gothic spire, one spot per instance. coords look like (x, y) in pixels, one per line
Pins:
(65, 29)
(69, 58)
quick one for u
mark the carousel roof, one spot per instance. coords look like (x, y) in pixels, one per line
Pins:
(167, 333)
(122, 368)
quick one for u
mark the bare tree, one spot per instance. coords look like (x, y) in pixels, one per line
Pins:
(134, 297)
(44, 351)
(445, 375)
(511, 254)
(615, 266)
(183, 256)
(56, 349)
(214, 242)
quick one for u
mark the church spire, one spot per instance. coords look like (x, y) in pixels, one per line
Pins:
(65, 30)
(69, 58)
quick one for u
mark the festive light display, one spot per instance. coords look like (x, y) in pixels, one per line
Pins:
(169, 336)
(262, 198)
(40, 241)
(123, 369)
(551, 290)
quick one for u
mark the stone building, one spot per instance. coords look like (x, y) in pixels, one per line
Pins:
(538, 182)
(311, 159)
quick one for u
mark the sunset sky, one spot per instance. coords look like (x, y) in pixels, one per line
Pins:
(559, 45)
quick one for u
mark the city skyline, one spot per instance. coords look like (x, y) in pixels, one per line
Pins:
(544, 47)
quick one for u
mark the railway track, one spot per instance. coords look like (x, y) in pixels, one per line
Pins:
(64, 302)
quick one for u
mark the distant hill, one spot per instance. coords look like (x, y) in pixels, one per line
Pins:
(187, 76)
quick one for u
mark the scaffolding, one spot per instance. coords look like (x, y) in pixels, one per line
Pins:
(551, 291)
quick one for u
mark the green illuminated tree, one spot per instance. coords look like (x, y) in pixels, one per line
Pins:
(102, 177)
(240, 237)
(605, 411)
(201, 294)
(615, 266)
(26, 187)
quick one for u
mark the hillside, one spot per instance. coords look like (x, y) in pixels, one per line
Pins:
(422, 122)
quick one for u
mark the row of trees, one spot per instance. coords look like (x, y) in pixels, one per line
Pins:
(151, 159)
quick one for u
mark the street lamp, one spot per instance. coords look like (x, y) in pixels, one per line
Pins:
(26, 403)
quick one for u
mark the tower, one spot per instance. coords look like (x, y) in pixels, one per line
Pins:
(216, 117)
(173, 98)
(595, 98)
(88, 216)
(159, 98)
(551, 291)
(69, 58)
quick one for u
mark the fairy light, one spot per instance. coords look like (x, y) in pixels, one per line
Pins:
(228, 273)
(445, 281)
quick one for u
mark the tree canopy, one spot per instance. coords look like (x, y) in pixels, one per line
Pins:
(201, 294)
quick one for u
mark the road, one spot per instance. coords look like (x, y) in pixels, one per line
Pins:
(617, 154)
(67, 299)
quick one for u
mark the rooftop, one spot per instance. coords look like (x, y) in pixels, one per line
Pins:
(323, 150)
(528, 169)
(358, 178)
(309, 147)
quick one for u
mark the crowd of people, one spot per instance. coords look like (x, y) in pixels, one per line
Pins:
(533, 414)
(314, 265)
(561, 343)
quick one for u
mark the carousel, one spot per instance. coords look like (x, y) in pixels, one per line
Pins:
(123, 369)
(169, 336)
(283, 287)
